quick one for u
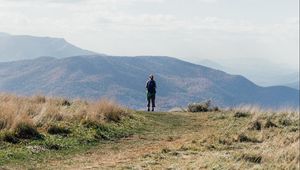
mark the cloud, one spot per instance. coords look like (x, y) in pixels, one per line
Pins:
(114, 14)
(170, 27)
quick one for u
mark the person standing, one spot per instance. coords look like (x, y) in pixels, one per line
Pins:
(151, 91)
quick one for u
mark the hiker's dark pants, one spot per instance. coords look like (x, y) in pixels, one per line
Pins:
(151, 99)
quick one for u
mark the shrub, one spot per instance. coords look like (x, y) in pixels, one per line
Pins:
(65, 102)
(202, 107)
(197, 108)
(54, 129)
(113, 116)
(285, 121)
(270, 124)
(256, 125)
(241, 114)
(25, 130)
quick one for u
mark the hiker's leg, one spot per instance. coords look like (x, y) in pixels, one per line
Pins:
(153, 102)
(148, 105)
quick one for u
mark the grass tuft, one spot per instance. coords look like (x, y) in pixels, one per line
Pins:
(285, 121)
(54, 129)
(241, 114)
(253, 158)
(244, 138)
(39, 99)
(165, 150)
(65, 102)
(270, 124)
(10, 138)
(27, 131)
(53, 146)
(256, 125)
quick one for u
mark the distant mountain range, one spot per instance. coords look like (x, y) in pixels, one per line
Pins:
(92, 76)
(21, 47)
(123, 79)
(264, 73)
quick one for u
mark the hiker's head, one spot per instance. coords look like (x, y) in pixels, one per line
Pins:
(151, 76)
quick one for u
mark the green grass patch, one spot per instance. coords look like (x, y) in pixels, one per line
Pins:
(17, 148)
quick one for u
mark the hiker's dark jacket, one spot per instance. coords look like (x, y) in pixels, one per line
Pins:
(151, 86)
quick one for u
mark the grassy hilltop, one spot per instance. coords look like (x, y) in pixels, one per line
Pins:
(54, 133)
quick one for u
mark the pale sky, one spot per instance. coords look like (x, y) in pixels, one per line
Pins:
(220, 30)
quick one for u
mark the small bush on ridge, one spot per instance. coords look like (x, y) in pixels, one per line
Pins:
(241, 114)
(202, 107)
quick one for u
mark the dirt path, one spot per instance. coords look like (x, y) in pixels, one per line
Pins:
(122, 153)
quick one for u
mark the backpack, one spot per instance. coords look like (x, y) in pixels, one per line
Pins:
(151, 85)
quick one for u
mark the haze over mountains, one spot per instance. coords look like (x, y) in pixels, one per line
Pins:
(264, 73)
(90, 76)
(20, 47)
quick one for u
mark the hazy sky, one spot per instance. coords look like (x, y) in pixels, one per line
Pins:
(189, 29)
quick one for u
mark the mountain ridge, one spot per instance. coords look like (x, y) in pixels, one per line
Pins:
(22, 47)
(270, 75)
(123, 79)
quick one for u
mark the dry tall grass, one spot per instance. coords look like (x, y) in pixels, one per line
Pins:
(254, 109)
(279, 132)
(40, 111)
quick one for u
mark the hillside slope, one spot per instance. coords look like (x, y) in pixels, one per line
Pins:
(123, 79)
(21, 47)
